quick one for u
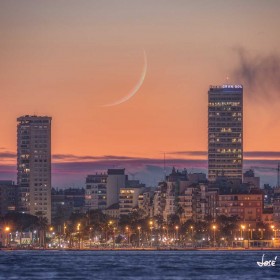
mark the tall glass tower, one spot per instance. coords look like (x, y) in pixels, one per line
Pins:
(225, 132)
(34, 165)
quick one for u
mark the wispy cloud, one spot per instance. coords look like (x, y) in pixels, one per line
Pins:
(188, 153)
(132, 163)
(248, 154)
(71, 157)
(69, 169)
(7, 155)
(262, 154)
(259, 73)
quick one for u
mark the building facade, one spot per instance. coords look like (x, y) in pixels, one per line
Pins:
(198, 203)
(96, 192)
(34, 165)
(8, 197)
(250, 179)
(115, 181)
(248, 207)
(225, 132)
(128, 199)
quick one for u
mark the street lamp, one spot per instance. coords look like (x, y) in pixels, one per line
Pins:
(128, 236)
(241, 230)
(7, 230)
(214, 230)
(177, 236)
(261, 230)
(90, 236)
(110, 223)
(272, 227)
(151, 228)
(78, 229)
(192, 233)
(139, 229)
(167, 234)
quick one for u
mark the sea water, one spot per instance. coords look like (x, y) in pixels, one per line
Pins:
(124, 265)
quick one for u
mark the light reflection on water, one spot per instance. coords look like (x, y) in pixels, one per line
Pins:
(119, 265)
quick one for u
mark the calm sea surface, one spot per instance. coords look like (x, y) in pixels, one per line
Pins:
(121, 265)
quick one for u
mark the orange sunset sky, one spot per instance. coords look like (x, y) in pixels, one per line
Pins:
(67, 58)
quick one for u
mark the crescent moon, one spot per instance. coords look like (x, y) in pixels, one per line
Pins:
(135, 88)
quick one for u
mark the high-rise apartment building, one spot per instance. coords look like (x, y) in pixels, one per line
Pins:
(96, 192)
(115, 181)
(225, 132)
(34, 165)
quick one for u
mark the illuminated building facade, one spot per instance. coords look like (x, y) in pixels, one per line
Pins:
(96, 192)
(34, 165)
(128, 198)
(248, 207)
(225, 132)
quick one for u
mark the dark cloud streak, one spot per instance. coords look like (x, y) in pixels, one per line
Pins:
(260, 74)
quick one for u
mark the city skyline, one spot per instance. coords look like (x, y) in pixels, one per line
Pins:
(66, 61)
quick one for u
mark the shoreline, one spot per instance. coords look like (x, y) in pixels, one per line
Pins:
(144, 249)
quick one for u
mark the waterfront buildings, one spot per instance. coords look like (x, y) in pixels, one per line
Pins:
(144, 202)
(96, 191)
(198, 203)
(276, 206)
(8, 197)
(225, 132)
(250, 179)
(34, 165)
(248, 207)
(115, 181)
(65, 202)
(128, 199)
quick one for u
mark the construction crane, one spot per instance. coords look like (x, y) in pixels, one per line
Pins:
(270, 169)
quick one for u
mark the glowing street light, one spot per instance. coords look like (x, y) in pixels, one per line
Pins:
(128, 236)
(7, 230)
(151, 228)
(261, 230)
(272, 227)
(177, 235)
(214, 230)
(192, 232)
(78, 227)
(241, 230)
(139, 229)
(90, 236)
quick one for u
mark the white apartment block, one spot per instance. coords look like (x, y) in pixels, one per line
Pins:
(34, 165)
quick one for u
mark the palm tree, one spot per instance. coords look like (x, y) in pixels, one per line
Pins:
(180, 211)
(42, 225)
